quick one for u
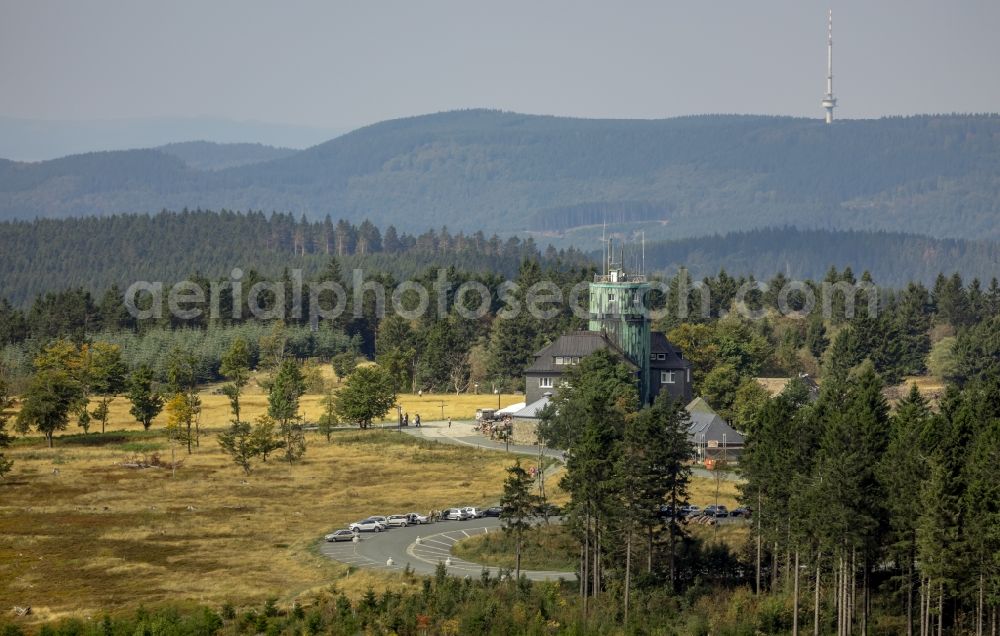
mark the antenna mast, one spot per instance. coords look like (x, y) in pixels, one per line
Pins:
(829, 101)
(643, 270)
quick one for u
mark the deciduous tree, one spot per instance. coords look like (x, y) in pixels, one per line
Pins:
(146, 401)
(51, 396)
(367, 395)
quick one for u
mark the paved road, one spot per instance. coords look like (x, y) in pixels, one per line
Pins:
(373, 550)
(463, 433)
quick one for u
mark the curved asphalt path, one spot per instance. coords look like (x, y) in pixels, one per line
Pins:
(463, 433)
(374, 549)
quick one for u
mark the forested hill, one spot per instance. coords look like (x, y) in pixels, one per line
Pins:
(207, 155)
(95, 253)
(894, 259)
(504, 172)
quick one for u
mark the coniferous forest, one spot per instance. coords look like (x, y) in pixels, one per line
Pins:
(94, 253)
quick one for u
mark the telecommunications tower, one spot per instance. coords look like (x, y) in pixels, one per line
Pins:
(829, 101)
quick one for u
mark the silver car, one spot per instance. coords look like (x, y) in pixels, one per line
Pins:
(341, 535)
(400, 521)
(455, 514)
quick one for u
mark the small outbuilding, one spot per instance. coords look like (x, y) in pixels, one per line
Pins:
(711, 436)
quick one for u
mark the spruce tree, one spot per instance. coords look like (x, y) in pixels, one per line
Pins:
(517, 505)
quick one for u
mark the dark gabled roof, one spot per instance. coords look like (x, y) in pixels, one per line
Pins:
(574, 343)
(707, 426)
(659, 344)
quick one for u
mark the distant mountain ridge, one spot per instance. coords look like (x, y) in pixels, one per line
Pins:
(40, 140)
(208, 155)
(509, 173)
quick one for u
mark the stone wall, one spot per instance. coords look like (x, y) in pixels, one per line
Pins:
(525, 431)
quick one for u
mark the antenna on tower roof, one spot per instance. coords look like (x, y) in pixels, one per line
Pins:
(643, 269)
(604, 245)
(829, 101)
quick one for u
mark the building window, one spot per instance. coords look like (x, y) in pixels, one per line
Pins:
(611, 298)
(661, 356)
(666, 377)
(545, 383)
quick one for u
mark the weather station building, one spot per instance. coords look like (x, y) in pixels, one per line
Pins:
(619, 322)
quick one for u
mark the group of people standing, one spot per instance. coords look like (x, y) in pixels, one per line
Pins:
(404, 419)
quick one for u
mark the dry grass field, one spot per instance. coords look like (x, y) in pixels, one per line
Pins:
(216, 414)
(702, 492)
(80, 534)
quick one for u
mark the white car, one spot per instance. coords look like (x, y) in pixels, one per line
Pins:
(383, 520)
(474, 513)
(455, 514)
(367, 525)
(400, 521)
(417, 519)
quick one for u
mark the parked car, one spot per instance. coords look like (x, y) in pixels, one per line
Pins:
(486, 415)
(383, 520)
(341, 535)
(741, 512)
(690, 511)
(494, 511)
(368, 525)
(667, 512)
(474, 513)
(548, 510)
(716, 511)
(400, 521)
(415, 518)
(455, 514)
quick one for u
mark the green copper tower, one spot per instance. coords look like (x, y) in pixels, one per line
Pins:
(618, 308)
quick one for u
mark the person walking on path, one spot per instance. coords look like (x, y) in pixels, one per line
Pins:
(416, 419)
(449, 422)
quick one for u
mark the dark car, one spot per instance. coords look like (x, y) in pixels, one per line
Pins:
(716, 511)
(493, 511)
(667, 512)
(548, 510)
(741, 512)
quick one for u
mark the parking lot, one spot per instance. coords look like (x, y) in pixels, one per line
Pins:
(422, 547)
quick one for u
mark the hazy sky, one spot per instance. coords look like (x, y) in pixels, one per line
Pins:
(338, 64)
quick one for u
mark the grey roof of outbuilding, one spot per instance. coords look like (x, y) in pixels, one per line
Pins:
(706, 425)
(532, 410)
(574, 343)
